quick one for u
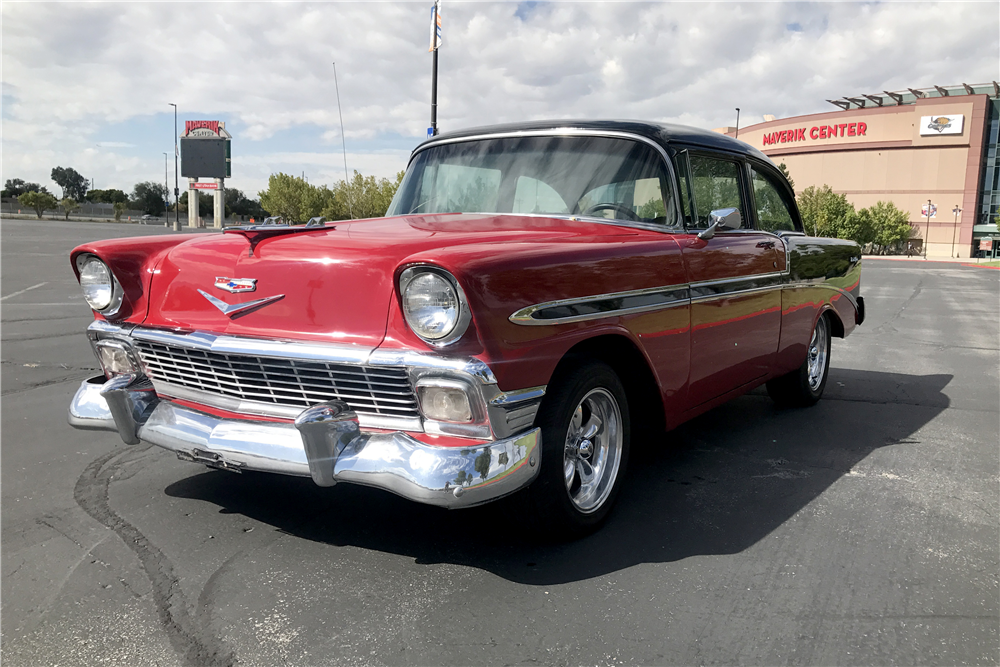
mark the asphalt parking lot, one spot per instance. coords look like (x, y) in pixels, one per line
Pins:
(861, 531)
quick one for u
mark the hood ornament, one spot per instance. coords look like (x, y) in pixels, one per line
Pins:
(236, 285)
(235, 310)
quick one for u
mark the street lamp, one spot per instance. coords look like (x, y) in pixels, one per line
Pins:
(166, 192)
(954, 229)
(927, 229)
(737, 123)
(177, 191)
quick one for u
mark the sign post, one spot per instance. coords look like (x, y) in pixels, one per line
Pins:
(954, 229)
(929, 210)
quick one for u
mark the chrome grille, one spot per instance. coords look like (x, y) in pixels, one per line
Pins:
(292, 383)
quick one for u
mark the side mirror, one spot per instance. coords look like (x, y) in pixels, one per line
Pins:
(722, 219)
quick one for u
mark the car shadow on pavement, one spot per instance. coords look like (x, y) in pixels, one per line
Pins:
(716, 485)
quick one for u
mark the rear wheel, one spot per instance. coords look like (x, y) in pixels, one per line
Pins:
(585, 441)
(804, 386)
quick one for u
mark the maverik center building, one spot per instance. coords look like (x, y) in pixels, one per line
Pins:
(908, 147)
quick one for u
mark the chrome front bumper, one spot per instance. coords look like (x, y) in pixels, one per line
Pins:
(324, 443)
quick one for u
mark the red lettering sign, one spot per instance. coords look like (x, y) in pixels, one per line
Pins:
(861, 129)
(212, 125)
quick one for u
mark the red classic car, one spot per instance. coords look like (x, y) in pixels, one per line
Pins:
(535, 294)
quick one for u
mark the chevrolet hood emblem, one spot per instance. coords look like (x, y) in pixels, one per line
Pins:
(235, 310)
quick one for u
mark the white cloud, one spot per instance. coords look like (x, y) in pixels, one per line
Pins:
(72, 71)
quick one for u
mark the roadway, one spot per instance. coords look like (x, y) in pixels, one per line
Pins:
(861, 531)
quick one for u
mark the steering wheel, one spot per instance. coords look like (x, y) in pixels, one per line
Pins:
(626, 212)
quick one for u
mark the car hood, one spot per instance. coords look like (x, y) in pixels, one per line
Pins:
(330, 284)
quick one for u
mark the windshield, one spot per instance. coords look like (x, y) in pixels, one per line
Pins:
(587, 176)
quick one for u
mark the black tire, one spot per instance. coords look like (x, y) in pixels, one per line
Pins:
(800, 388)
(563, 509)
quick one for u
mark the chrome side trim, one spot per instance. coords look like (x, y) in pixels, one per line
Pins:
(614, 304)
(572, 132)
(728, 287)
(512, 398)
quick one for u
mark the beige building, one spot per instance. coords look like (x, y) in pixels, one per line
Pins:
(907, 147)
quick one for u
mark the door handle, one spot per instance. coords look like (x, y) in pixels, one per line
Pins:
(766, 244)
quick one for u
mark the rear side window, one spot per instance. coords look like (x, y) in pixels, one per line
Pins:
(773, 208)
(716, 185)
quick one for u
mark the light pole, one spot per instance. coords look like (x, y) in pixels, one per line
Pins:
(166, 192)
(927, 229)
(737, 123)
(954, 229)
(177, 191)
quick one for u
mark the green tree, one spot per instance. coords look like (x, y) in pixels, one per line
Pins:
(15, 187)
(40, 201)
(109, 196)
(293, 198)
(784, 170)
(119, 208)
(362, 197)
(238, 203)
(823, 211)
(149, 197)
(205, 202)
(890, 225)
(68, 205)
(73, 184)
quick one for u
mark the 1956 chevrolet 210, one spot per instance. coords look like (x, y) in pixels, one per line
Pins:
(535, 293)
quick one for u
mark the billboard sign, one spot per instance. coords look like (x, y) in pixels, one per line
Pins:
(203, 158)
(935, 125)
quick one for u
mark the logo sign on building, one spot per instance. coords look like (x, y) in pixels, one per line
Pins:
(928, 210)
(935, 125)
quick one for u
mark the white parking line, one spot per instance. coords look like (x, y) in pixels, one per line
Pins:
(27, 289)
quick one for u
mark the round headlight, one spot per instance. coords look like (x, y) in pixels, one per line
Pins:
(431, 306)
(98, 286)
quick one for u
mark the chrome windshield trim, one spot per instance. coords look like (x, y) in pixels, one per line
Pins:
(673, 296)
(570, 132)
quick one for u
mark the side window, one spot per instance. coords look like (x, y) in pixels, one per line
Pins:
(773, 212)
(716, 185)
(533, 196)
(640, 200)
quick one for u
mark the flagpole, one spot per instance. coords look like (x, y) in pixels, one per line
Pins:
(435, 43)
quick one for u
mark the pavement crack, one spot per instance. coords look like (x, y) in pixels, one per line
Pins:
(191, 639)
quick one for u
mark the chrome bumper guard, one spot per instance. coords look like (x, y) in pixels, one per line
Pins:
(325, 443)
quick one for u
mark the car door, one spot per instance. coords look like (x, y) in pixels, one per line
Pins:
(735, 279)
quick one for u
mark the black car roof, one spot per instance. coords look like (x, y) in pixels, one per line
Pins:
(662, 133)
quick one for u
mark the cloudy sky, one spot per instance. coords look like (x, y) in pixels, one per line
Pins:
(87, 85)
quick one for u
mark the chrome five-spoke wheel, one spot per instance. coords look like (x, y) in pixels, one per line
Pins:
(819, 347)
(585, 442)
(804, 386)
(593, 450)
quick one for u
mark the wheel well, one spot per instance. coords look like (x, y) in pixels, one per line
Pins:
(836, 325)
(641, 388)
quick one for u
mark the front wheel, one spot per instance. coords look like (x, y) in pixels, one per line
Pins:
(585, 441)
(804, 386)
